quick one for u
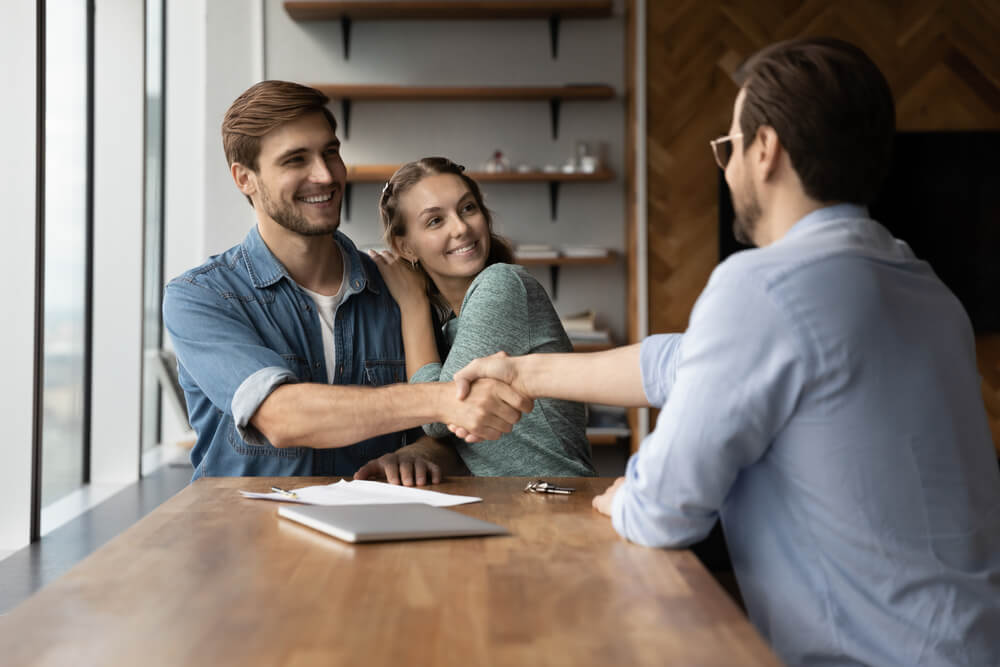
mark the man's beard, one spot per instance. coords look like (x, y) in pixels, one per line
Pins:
(747, 215)
(285, 214)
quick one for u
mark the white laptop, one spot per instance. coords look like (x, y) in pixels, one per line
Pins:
(383, 522)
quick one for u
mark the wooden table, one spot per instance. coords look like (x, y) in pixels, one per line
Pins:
(210, 578)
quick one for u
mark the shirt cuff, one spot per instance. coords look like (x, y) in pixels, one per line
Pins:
(618, 502)
(251, 394)
(427, 373)
(657, 364)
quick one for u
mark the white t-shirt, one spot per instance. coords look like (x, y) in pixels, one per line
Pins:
(327, 307)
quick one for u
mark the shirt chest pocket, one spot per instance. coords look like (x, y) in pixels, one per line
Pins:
(299, 366)
(380, 372)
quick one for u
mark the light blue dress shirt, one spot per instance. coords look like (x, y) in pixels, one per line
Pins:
(824, 403)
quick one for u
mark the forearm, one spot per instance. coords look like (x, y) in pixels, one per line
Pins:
(324, 416)
(418, 338)
(613, 377)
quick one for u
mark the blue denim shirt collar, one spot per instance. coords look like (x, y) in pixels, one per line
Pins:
(265, 269)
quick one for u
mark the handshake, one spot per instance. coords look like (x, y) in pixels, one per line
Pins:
(490, 398)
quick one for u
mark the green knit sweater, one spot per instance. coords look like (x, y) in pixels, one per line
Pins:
(506, 309)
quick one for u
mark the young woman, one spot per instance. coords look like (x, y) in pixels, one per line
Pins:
(461, 298)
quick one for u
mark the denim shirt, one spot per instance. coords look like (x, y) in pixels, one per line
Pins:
(241, 327)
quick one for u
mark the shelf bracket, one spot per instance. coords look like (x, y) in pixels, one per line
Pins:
(345, 116)
(554, 105)
(347, 201)
(345, 35)
(554, 35)
(554, 280)
(553, 200)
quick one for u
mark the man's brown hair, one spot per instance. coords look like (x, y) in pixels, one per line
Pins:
(260, 109)
(832, 110)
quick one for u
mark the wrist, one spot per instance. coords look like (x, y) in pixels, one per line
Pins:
(441, 393)
(415, 306)
(524, 374)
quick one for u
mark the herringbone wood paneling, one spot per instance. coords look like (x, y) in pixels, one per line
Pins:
(942, 59)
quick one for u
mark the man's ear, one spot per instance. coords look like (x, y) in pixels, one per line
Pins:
(767, 152)
(245, 178)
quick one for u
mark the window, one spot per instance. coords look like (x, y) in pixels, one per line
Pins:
(67, 237)
(152, 330)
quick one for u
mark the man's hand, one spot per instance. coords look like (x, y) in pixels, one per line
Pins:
(497, 366)
(401, 467)
(602, 503)
(488, 410)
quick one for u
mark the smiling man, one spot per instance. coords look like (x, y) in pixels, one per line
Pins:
(824, 401)
(288, 345)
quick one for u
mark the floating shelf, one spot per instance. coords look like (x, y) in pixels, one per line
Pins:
(607, 436)
(371, 10)
(555, 263)
(380, 173)
(553, 94)
(564, 261)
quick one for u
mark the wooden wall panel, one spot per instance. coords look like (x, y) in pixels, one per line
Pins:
(942, 59)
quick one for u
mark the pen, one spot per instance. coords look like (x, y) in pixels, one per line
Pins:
(288, 494)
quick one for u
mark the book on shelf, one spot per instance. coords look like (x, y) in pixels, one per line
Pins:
(585, 251)
(582, 328)
(591, 337)
(583, 322)
(535, 251)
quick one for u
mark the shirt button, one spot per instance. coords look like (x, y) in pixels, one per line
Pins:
(316, 365)
(357, 283)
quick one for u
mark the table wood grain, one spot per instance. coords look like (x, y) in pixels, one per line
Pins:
(210, 578)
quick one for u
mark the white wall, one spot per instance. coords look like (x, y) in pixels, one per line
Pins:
(17, 269)
(432, 52)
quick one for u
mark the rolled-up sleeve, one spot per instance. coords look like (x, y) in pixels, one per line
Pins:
(658, 360)
(222, 352)
(737, 376)
(251, 394)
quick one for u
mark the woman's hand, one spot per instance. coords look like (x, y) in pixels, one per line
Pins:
(407, 285)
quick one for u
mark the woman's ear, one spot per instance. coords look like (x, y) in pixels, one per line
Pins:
(402, 249)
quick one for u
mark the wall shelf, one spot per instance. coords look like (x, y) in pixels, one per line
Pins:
(555, 263)
(373, 10)
(607, 436)
(380, 173)
(555, 95)
(610, 258)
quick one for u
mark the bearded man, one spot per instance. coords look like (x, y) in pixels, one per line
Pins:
(824, 401)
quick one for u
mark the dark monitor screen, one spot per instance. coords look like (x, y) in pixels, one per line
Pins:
(942, 196)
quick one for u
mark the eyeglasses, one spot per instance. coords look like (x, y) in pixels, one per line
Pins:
(722, 149)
